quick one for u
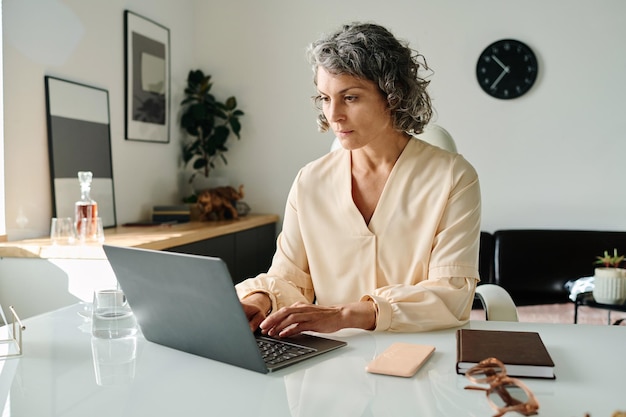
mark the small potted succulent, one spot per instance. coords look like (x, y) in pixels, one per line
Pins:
(208, 124)
(610, 279)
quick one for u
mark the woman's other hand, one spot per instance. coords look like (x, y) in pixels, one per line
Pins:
(256, 307)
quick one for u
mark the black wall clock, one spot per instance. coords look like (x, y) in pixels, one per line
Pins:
(507, 69)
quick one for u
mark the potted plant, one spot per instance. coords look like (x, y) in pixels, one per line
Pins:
(610, 279)
(208, 124)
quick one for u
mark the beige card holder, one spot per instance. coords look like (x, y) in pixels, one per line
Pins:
(401, 359)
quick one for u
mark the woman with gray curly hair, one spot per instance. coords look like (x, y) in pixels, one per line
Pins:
(383, 233)
(370, 52)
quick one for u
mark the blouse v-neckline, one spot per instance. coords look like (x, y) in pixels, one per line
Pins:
(381, 205)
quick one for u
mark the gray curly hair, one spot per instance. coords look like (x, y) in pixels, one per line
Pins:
(369, 51)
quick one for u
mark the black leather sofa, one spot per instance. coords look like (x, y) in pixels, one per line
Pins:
(533, 265)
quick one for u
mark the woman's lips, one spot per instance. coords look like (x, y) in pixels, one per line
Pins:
(344, 133)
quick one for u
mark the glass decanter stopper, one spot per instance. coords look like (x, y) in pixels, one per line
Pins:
(86, 209)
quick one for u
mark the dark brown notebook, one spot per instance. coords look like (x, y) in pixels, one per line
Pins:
(523, 353)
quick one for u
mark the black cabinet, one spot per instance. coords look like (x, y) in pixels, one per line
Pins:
(247, 252)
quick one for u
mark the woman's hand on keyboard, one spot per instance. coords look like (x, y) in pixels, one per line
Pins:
(300, 317)
(256, 307)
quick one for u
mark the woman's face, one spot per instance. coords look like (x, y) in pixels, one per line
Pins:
(355, 109)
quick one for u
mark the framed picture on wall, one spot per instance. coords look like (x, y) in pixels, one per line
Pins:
(147, 63)
(79, 139)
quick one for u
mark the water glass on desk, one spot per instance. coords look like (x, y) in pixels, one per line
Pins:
(62, 231)
(114, 360)
(90, 230)
(112, 317)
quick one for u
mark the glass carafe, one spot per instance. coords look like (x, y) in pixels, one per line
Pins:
(86, 209)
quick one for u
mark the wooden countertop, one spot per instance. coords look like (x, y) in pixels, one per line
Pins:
(147, 237)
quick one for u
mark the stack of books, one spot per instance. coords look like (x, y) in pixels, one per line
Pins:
(176, 213)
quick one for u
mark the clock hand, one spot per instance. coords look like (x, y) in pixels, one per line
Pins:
(504, 67)
(502, 74)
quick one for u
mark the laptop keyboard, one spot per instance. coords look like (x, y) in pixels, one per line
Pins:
(275, 351)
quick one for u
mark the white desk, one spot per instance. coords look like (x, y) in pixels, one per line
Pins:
(56, 377)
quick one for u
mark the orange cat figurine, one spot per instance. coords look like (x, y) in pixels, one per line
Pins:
(219, 203)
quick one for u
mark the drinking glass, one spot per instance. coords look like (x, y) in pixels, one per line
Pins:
(90, 230)
(114, 360)
(62, 231)
(112, 317)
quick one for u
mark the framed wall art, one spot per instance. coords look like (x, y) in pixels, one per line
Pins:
(79, 139)
(147, 64)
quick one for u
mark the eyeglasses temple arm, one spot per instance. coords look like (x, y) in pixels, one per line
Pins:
(474, 387)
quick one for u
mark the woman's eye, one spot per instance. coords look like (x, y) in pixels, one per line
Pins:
(350, 98)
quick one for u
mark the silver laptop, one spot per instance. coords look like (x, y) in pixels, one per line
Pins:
(189, 303)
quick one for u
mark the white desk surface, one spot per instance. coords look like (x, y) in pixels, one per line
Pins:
(56, 377)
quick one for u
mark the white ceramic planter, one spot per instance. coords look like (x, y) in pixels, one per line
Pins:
(610, 285)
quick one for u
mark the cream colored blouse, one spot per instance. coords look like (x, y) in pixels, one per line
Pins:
(417, 259)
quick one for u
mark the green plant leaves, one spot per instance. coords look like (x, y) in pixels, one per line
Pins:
(231, 103)
(208, 122)
(235, 125)
(609, 261)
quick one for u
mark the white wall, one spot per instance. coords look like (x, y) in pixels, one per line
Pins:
(2, 204)
(83, 41)
(541, 158)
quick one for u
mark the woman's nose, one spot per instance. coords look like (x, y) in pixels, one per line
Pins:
(335, 111)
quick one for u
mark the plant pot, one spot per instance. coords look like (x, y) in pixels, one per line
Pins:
(201, 183)
(610, 285)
